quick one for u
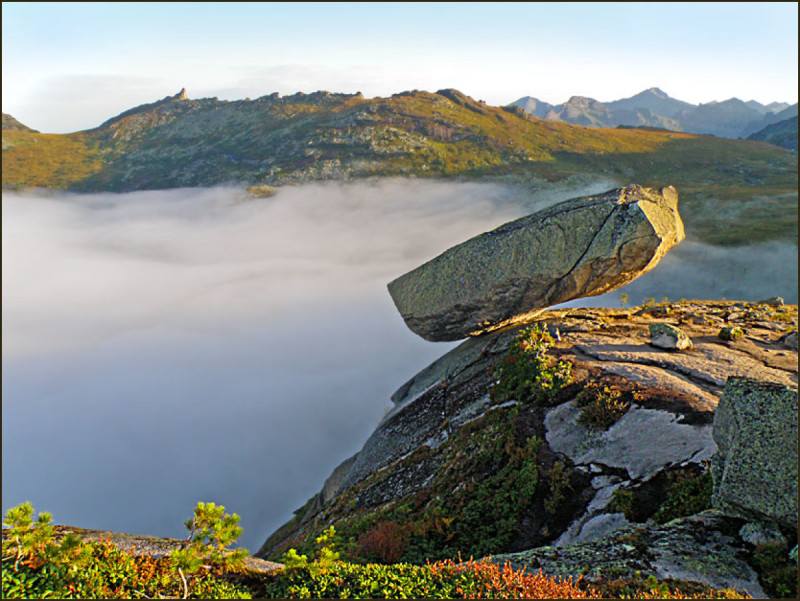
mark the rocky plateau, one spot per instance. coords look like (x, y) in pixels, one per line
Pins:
(657, 440)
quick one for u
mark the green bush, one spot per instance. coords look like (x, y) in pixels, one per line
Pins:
(685, 496)
(560, 479)
(38, 563)
(211, 530)
(622, 502)
(601, 406)
(776, 570)
(526, 373)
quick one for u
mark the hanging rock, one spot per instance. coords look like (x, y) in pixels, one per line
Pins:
(583, 247)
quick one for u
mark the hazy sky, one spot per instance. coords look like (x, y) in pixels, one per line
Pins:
(71, 66)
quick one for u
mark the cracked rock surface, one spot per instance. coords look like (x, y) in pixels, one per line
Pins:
(583, 247)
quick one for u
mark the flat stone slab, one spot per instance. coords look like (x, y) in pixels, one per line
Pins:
(621, 445)
(710, 363)
(582, 247)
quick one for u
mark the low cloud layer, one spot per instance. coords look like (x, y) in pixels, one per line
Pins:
(164, 348)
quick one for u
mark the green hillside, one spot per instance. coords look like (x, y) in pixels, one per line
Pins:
(178, 142)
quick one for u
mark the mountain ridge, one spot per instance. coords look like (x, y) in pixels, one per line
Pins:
(731, 118)
(180, 142)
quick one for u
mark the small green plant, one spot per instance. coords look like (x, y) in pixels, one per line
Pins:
(776, 570)
(623, 299)
(527, 373)
(211, 530)
(685, 496)
(601, 406)
(560, 481)
(325, 557)
(622, 502)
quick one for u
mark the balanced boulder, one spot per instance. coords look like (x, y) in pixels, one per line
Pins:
(755, 467)
(582, 247)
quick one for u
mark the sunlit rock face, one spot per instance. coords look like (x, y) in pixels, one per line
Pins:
(582, 247)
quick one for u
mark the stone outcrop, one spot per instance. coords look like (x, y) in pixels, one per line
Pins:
(583, 247)
(666, 431)
(697, 548)
(755, 470)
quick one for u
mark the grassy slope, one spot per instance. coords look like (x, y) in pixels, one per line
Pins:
(58, 161)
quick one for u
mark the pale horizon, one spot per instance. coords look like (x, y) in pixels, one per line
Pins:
(71, 66)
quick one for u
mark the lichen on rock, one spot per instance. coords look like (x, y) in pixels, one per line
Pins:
(582, 247)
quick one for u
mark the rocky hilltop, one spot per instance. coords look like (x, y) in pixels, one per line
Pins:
(657, 440)
(11, 124)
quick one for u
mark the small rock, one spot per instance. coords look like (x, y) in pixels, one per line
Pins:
(761, 533)
(668, 337)
(772, 301)
(655, 311)
(790, 340)
(730, 333)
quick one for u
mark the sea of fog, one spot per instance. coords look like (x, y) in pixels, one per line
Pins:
(164, 348)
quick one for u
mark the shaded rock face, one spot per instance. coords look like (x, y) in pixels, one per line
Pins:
(755, 469)
(583, 247)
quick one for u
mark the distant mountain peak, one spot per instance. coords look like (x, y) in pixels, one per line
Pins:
(181, 95)
(657, 92)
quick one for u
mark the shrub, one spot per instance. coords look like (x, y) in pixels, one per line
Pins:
(386, 542)
(526, 373)
(685, 496)
(559, 478)
(623, 502)
(640, 587)
(776, 570)
(601, 406)
(441, 580)
(211, 530)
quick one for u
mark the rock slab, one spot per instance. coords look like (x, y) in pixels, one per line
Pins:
(582, 247)
(755, 468)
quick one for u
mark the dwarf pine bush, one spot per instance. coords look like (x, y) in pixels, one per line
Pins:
(526, 373)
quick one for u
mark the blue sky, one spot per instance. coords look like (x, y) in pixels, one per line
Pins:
(71, 66)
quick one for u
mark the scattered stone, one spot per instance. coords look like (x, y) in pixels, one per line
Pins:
(755, 468)
(790, 340)
(668, 337)
(583, 247)
(655, 311)
(731, 333)
(772, 301)
(761, 533)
